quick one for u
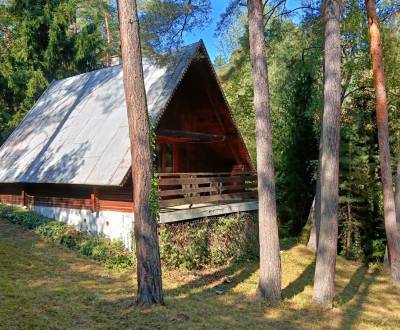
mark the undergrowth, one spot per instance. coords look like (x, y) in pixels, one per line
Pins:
(109, 252)
(209, 242)
(187, 245)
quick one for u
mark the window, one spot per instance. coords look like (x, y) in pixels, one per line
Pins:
(165, 158)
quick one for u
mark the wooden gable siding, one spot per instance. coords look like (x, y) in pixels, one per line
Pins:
(199, 106)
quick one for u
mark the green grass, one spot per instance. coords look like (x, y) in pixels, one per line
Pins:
(43, 285)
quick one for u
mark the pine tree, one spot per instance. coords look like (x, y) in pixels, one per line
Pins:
(145, 226)
(327, 243)
(269, 285)
(392, 232)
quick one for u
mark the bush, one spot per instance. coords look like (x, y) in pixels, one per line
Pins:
(186, 245)
(209, 242)
(111, 253)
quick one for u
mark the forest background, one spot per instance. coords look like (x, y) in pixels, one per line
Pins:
(43, 40)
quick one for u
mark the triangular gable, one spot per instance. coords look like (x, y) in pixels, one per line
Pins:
(229, 120)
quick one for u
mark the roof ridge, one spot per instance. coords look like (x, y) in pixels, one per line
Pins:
(177, 50)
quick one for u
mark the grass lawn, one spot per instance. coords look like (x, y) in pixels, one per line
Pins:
(47, 286)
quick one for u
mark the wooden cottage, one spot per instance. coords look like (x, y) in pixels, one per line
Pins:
(69, 158)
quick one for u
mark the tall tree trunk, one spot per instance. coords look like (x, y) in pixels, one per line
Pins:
(392, 233)
(108, 35)
(269, 286)
(145, 227)
(327, 245)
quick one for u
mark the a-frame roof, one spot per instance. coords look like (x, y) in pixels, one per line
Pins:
(77, 132)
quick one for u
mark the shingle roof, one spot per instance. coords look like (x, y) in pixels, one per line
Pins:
(77, 132)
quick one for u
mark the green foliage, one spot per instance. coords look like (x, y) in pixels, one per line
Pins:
(209, 242)
(154, 198)
(295, 71)
(194, 245)
(294, 56)
(361, 226)
(163, 23)
(47, 40)
(110, 253)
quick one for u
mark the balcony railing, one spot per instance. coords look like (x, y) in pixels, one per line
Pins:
(196, 188)
(175, 189)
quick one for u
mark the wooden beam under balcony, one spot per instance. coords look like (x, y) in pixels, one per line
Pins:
(169, 135)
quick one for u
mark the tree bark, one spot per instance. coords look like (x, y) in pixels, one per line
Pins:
(327, 246)
(392, 233)
(269, 286)
(145, 227)
(108, 35)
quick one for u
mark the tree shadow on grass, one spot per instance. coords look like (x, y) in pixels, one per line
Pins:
(299, 284)
(352, 287)
(220, 280)
(60, 290)
(357, 288)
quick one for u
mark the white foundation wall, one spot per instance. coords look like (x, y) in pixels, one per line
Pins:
(114, 225)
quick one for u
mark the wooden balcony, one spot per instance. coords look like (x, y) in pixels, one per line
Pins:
(186, 196)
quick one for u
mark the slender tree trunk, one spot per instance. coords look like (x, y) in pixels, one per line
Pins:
(397, 193)
(6, 35)
(327, 246)
(349, 227)
(316, 216)
(108, 35)
(269, 286)
(314, 234)
(145, 227)
(386, 260)
(392, 233)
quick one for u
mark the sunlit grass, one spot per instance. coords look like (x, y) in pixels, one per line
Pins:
(46, 286)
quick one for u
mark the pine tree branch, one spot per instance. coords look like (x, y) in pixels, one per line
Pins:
(391, 14)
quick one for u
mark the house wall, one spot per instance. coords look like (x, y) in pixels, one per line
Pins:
(111, 216)
(112, 224)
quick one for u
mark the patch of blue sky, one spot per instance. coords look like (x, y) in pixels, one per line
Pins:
(208, 33)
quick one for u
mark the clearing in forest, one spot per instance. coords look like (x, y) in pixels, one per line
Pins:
(43, 285)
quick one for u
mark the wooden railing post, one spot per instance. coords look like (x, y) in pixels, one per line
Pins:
(94, 202)
(23, 201)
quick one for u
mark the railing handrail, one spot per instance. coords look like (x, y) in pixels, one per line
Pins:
(235, 173)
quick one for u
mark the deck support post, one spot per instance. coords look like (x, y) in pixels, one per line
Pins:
(23, 198)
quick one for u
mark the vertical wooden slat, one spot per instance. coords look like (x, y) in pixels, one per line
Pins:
(94, 202)
(23, 202)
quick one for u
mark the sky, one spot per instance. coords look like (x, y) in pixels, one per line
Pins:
(207, 34)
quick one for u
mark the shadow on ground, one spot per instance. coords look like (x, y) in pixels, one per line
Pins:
(43, 285)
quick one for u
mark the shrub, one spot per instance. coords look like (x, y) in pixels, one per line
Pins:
(100, 248)
(209, 242)
(188, 245)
